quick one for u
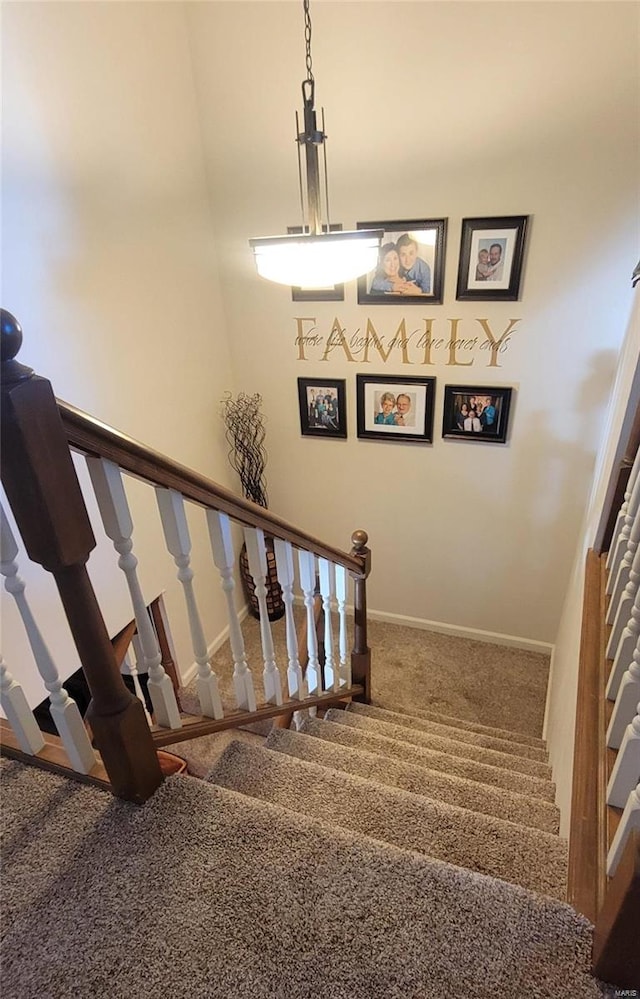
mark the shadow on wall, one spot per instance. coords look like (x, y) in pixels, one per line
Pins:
(552, 492)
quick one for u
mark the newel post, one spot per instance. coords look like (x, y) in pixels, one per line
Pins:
(361, 654)
(44, 493)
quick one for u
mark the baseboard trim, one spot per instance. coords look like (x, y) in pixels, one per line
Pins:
(212, 648)
(547, 705)
(494, 637)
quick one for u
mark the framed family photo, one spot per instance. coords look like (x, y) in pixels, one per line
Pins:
(491, 255)
(410, 267)
(323, 407)
(333, 293)
(475, 413)
(395, 408)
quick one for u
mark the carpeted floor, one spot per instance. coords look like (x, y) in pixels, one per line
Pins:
(205, 893)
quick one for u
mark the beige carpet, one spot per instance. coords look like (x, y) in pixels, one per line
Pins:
(412, 669)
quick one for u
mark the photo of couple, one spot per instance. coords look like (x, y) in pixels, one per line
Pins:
(410, 263)
(395, 409)
(476, 414)
(400, 270)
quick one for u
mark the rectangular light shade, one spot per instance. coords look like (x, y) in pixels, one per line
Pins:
(316, 261)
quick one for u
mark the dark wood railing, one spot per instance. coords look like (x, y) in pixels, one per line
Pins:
(43, 491)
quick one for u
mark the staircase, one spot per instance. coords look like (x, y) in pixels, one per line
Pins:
(372, 853)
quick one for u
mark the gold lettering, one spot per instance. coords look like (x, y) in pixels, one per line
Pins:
(301, 337)
(375, 341)
(496, 346)
(453, 344)
(335, 339)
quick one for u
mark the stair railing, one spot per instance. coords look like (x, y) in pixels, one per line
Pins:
(42, 488)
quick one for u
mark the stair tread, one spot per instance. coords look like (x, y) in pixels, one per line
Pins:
(473, 726)
(449, 732)
(533, 859)
(453, 790)
(445, 745)
(263, 902)
(433, 759)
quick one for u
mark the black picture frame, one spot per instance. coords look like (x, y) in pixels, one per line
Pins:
(415, 424)
(430, 239)
(483, 274)
(333, 294)
(461, 401)
(322, 417)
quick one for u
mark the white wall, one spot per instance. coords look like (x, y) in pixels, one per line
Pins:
(110, 265)
(563, 685)
(455, 110)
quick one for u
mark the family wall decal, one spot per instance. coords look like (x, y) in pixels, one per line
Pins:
(424, 344)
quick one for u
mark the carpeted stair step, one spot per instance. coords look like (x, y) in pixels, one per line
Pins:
(453, 722)
(500, 803)
(528, 857)
(449, 746)
(210, 893)
(348, 735)
(449, 732)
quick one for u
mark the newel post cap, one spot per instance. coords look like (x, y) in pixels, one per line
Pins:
(10, 344)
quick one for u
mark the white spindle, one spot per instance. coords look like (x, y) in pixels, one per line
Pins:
(307, 566)
(625, 707)
(624, 607)
(619, 546)
(626, 770)
(224, 558)
(257, 556)
(178, 539)
(624, 650)
(284, 565)
(624, 569)
(108, 487)
(622, 515)
(341, 596)
(64, 711)
(630, 820)
(132, 666)
(331, 678)
(19, 714)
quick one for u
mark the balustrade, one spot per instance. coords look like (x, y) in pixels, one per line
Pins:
(626, 770)
(629, 822)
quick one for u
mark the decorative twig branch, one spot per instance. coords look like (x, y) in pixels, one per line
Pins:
(245, 433)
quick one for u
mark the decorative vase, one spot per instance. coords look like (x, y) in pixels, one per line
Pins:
(275, 603)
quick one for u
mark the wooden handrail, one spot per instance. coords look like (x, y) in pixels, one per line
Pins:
(90, 436)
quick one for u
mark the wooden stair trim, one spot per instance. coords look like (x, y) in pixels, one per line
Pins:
(586, 879)
(616, 955)
(195, 726)
(52, 757)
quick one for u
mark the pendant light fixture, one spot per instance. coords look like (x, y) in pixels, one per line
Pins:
(317, 257)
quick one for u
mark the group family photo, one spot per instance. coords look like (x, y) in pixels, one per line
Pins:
(322, 407)
(410, 263)
(476, 413)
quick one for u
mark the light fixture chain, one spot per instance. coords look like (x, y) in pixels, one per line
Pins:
(307, 38)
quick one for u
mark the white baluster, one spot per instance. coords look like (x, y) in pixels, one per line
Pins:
(341, 596)
(284, 565)
(619, 546)
(108, 487)
(625, 649)
(625, 606)
(628, 697)
(622, 515)
(224, 559)
(630, 820)
(178, 539)
(624, 569)
(257, 556)
(626, 769)
(307, 566)
(331, 679)
(132, 666)
(64, 711)
(19, 714)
